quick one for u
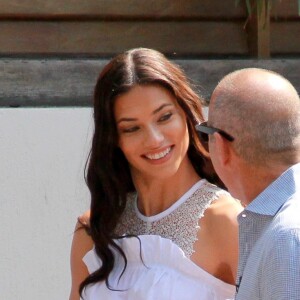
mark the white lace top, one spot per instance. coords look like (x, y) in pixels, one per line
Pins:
(179, 223)
(165, 243)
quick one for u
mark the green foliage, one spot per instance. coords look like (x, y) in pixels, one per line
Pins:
(252, 4)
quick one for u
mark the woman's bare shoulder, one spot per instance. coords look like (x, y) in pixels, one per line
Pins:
(82, 241)
(84, 219)
(224, 208)
(220, 220)
(81, 244)
(220, 227)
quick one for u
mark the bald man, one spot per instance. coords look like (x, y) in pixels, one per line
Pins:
(254, 142)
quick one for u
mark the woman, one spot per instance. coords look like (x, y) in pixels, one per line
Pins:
(157, 228)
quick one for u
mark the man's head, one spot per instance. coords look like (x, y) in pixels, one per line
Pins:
(261, 110)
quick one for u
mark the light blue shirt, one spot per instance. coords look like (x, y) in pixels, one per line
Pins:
(269, 229)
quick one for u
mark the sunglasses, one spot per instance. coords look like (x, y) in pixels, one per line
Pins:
(204, 131)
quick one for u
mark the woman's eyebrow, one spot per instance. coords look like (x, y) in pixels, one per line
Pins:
(126, 120)
(161, 107)
(153, 113)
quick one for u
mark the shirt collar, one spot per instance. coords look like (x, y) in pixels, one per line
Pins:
(277, 193)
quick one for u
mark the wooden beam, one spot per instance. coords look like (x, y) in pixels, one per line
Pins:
(107, 38)
(258, 29)
(285, 10)
(285, 38)
(133, 8)
(70, 82)
(120, 8)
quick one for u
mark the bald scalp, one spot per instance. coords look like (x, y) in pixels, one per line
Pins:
(261, 109)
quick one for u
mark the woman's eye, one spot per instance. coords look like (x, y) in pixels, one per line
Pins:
(130, 129)
(165, 117)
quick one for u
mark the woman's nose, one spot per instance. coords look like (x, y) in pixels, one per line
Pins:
(154, 137)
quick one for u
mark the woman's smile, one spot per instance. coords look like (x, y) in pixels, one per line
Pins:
(159, 156)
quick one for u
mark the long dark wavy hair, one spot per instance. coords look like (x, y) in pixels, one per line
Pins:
(108, 175)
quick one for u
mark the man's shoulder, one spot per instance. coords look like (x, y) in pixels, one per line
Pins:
(281, 234)
(286, 222)
(273, 264)
(287, 219)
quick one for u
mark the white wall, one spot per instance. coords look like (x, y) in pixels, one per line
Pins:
(42, 191)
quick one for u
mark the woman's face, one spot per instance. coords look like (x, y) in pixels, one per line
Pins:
(153, 132)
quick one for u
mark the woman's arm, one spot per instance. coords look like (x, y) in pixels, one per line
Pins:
(218, 239)
(81, 244)
(226, 234)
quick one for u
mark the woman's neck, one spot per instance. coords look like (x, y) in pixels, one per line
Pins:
(158, 194)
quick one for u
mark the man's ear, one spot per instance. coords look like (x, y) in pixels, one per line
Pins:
(222, 149)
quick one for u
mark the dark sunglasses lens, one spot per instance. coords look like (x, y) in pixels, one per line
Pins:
(203, 136)
(203, 139)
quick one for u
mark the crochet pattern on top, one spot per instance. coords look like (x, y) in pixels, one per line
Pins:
(180, 224)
